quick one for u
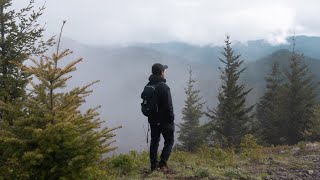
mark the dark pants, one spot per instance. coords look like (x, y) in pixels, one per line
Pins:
(167, 131)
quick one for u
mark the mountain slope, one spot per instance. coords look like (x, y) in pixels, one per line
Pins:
(258, 70)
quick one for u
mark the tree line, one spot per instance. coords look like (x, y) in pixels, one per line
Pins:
(287, 113)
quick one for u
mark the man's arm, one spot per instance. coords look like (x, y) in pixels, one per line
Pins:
(169, 104)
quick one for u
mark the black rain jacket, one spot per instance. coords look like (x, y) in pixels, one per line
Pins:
(165, 112)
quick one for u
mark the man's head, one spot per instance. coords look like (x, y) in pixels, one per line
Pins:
(158, 68)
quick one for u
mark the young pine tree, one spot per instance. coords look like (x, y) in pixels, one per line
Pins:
(191, 134)
(20, 37)
(270, 109)
(53, 139)
(301, 98)
(231, 120)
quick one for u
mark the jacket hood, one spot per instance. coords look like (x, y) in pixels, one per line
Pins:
(156, 78)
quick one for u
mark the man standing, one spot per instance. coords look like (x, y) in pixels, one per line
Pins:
(161, 122)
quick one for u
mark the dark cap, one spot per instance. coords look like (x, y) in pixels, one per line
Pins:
(157, 68)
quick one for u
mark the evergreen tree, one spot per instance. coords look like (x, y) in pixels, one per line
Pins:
(300, 91)
(313, 133)
(20, 37)
(231, 120)
(270, 109)
(53, 139)
(191, 134)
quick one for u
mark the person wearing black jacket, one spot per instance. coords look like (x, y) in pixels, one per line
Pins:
(161, 122)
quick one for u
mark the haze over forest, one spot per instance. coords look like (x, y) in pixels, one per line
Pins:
(124, 71)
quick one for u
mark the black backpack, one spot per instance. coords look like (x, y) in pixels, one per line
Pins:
(149, 104)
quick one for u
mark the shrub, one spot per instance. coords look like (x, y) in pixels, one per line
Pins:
(302, 145)
(180, 156)
(250, 149)
(224, 157)
(123, 164)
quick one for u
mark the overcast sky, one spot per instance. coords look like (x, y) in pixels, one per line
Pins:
(192, 21)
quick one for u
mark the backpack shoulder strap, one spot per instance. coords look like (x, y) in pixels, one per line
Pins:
(158, 84)
(154, 86)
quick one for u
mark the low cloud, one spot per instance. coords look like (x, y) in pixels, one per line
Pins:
(197, 22)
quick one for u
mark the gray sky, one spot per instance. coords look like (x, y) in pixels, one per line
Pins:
(192, 21)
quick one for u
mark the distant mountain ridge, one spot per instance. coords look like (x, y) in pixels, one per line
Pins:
(250, 51)
(124, 71)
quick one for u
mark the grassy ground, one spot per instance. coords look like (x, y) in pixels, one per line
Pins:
(282, 162)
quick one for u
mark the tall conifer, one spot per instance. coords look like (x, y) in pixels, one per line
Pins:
(20, 37)
(191, 134)
(271, 107)
(301, 98)
(231, 120)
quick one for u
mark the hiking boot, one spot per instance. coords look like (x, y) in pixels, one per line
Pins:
(162, 164)
(165, 169)
(154, 166)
